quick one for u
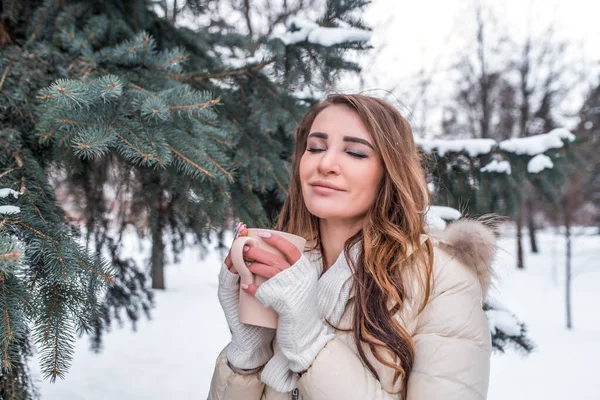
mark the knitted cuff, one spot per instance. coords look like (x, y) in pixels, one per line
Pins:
(228, 279)
(277, 374)
(290, 286)
(293, 294)
(228, 294)
(250, 345)
(249, 355)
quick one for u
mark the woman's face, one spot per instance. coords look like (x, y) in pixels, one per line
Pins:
(340, 152)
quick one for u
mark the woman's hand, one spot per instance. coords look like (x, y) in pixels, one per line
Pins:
(267, 264)
(250, 345)
(241, 230)
(291, 289)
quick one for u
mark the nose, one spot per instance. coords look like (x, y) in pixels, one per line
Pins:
(328, 163)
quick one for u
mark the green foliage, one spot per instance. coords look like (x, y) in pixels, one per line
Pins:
(148, 129)
(462, 181)
(47, 279)
(135, 123)
(501, 340)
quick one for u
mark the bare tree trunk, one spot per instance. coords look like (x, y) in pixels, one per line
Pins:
(531, 225)
(158, 256)
(520, 263)
(568, 206)
(484, 78)
(175, 12)
(568, 272)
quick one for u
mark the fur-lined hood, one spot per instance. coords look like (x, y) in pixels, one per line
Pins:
(473, 243)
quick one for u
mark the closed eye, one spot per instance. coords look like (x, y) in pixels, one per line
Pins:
(357, 155)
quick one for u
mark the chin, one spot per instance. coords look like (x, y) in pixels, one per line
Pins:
(328, 212)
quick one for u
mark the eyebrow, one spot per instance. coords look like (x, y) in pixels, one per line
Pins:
(352, 139)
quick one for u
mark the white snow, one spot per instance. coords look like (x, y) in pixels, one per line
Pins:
(173, 355)
(436, 216)
(5, 192)
(537, 144)
(332, 36)
(539, 163)
(434, 222)
(447, 213)
(9, 210)
(501, 167)
(504, 321)
(531, 145)
(474, 147)
(305, 30)
(562, 133)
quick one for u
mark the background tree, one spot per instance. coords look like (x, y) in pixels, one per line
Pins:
(508, 88)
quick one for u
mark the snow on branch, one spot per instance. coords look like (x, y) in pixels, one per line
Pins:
(5, 192)
(537, 144)
(436, 216)
(504, 321)
(474, 147)
(501, 167)
(539, 163)
(300, 30)
(532, 145)
(9, 210)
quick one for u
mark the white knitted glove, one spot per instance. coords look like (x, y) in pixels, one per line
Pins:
(301, 334)
(251, 346)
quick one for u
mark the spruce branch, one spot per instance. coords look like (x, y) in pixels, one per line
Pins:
(23, 300)
(281, 186)
(107, 277)
(199, 105)
(224, 74)
(172, 61)
(51, 310)
(6, 316)
(229, 177)
(190, 162)
(145, 156)
(14, 256)
(6, 70)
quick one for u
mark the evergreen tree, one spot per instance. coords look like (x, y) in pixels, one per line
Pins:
(589, 128)
(481, 176)
(131, 115)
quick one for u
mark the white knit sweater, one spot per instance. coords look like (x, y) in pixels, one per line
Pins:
(331, 290)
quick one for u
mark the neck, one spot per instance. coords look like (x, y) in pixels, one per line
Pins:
(333, 236)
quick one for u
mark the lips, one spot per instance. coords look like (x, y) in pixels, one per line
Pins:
(325, 185)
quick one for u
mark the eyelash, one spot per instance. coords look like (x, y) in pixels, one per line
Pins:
(357, 155)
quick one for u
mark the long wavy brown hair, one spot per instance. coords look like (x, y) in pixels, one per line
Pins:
(393, 225)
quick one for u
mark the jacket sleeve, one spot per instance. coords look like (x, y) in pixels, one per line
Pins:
(227, 384)
(452, 339)
(338, 373)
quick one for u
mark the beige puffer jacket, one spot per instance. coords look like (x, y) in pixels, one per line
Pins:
(451, 337)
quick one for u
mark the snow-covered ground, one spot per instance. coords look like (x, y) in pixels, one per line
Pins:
(172, 356)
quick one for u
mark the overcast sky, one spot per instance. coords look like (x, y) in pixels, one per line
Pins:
(424, 33)
(430, 34)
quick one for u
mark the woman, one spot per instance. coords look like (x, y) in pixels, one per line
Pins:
(376, 307)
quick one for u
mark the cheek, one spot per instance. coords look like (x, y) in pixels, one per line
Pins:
(370, 175)
(302, 168)
(371, 178)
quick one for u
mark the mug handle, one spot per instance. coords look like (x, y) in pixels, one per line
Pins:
(237, 258)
